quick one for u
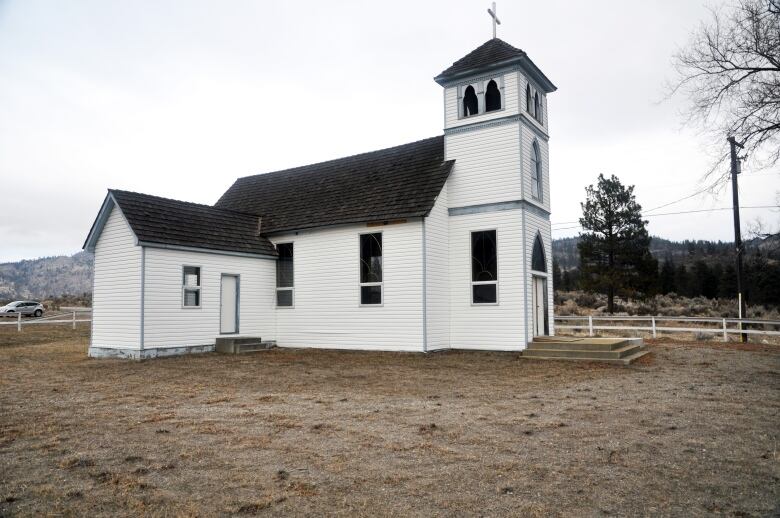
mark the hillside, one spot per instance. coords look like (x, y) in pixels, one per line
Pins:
(46, 277)
(690, 268)
(679, 252)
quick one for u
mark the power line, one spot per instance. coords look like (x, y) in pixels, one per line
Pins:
(744, 175)
(681, 212)
(684, 198)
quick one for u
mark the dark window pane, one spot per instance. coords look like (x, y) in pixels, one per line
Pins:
(371, 257)
(191, 276)
(371, 294)
(284, 298)
(192, 297)
(284, 266)
(484, 266)
(537, 258)
(470, 102)
(484, 293)
(492, 97)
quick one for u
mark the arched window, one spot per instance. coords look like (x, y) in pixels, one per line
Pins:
(492, 97)
(536, 172)
(528, 98)
(537, 256)
(537, 109)
(470, 103)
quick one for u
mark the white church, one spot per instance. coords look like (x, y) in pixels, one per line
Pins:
(438, 244)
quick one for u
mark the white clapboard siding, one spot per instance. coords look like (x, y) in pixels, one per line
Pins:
(536, 224)
(168, 324)
(487, 165)
(327, 311)
(528, 139)
(481, 326)
(522, 83)
(116, 297)
(437, 274)
(510, 101)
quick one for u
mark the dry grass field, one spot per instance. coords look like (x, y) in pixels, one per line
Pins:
(691, 430)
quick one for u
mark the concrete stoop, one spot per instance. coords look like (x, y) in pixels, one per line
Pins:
(608, 350)
(242, 344)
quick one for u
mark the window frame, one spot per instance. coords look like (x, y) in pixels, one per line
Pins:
(472, 282)
(185, 288)
(361, 284)
(285, 288)
(538, 239)
(537, 171)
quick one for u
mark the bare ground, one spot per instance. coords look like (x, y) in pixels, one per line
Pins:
(692, 430)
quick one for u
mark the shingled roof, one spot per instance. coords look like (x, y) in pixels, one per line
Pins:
(169, 222)
(493, 54)
(394, 183)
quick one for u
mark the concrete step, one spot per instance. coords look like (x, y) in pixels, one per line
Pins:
(620, 352)
(584, 344)
(237, 345)
(628, 357)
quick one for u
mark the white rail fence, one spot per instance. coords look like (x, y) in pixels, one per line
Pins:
(60, 317)
(658, 324)
(650, 324)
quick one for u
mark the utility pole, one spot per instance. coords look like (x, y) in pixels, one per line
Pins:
(737, 232)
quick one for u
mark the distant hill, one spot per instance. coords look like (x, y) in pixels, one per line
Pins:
(567, 255)
(46, 277)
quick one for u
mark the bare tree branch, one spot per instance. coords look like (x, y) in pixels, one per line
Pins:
(730, 73)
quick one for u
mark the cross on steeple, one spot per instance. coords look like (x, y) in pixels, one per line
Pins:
(496, 21)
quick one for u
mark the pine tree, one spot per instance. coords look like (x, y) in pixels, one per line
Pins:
(727, 284)
(666, 277)
(615, 247)
(682, 281)
(556, 275)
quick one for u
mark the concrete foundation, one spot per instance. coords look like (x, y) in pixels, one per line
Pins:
(143, 354)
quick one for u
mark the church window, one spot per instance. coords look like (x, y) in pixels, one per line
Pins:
(484, 267)
(536, 172)
(470, 102)
(537, 257)
(190, 288)
(371, 269)
(284, 275)
(528, 99)
(537, 107)
(492, 97)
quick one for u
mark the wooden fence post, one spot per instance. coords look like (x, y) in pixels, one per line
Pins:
(654, 335)
(19, 322)
(74, 320)
(725, 334)
(590, 324)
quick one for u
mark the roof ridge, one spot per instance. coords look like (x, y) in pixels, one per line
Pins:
(202, 205)
(348, 157)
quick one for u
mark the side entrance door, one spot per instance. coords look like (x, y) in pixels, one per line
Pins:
(539, 303)
(229, 304)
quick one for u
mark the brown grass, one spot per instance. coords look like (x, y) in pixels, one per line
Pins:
(691, 430)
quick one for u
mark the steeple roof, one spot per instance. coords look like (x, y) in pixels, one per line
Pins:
(492, 54)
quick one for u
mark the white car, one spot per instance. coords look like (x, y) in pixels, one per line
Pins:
(25, 307)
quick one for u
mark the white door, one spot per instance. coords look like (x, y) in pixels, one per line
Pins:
(228, 320)
(539, 302)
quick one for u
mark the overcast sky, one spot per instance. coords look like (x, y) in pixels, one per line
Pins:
(179, 98)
